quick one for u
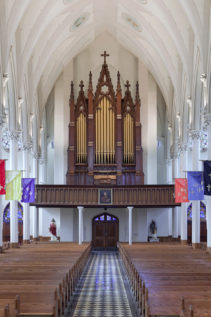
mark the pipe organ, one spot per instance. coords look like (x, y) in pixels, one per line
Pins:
(105, 134)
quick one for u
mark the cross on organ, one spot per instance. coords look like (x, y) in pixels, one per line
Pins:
(105, 134)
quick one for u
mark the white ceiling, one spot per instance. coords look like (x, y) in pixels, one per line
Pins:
(47, 34)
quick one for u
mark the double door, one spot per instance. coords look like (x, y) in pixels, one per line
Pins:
(105, 232)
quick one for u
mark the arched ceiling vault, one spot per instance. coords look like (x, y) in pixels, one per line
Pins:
(47, 34)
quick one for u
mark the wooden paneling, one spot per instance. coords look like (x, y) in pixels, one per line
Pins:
(73, 196)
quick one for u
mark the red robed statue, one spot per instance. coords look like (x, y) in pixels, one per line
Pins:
(52, 229)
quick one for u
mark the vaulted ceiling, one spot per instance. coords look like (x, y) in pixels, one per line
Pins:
(46, 34)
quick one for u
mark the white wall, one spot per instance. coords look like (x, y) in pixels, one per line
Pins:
(45, 216)
(90, 60)
(66, 223)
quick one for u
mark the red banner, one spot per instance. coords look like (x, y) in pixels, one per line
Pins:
(181, 190)
(2, 177)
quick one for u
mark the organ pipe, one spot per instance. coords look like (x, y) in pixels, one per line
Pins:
(104, 133)
(128, 126)
(81, 156)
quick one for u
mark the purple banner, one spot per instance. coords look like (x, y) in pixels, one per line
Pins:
(28, 190)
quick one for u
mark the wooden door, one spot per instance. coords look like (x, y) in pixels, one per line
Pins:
(105, 231)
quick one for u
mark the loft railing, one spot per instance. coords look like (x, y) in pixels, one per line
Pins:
(87, 196)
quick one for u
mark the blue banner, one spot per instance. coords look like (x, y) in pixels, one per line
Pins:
(28, 190)
(207, 178)
(195, 186)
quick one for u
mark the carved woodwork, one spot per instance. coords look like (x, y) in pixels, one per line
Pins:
(105, 135)
(87, 196)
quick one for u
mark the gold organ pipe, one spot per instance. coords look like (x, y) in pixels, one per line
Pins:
(107, 129)
(128, 139)
(132, 144)
(110, 141)
(113, 150)
(79, 137)
(124, 139)
(96, 127)
(77, 140)
(80, 141)
(101, 133)
(104, 131)
(84, 140)
(129, 121)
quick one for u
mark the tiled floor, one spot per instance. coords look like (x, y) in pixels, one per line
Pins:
(103, 290)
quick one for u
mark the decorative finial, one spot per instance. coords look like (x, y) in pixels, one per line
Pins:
(118, 82)
(127, 85)
(81, 85)
(104, 55)
(90, 81)
(137, 92)
(71, 90)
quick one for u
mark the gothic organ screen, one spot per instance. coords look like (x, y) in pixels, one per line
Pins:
(105, 134)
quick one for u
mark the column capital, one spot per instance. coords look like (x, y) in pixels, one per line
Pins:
(14, 135)
(80, 208)
(26, 146)
(195, 134)
(130, 208)
(182, 147)
(35, 155)
(207, 120)
(168, 161)
(43, 160)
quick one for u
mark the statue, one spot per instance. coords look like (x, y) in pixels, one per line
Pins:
(153, 232)
(52, 230)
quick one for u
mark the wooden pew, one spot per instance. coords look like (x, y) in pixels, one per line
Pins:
(43, 275)
(160, 274)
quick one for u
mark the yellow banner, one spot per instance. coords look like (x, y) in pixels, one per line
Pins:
(13, 185)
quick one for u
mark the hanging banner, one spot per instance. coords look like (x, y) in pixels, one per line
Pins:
(207, 178)
(28, 190)
(13, 185)
(195, 186)
(181, 190)
(2, 177)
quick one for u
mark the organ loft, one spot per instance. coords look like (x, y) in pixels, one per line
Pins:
(105, 134)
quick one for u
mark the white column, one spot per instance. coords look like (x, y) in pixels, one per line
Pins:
(195, 134)
(130, 224)
(42, 176)
(175, 214)
(208, 198)
(184, 168)
(1, 205)
(169, 181)
(26, 208)
(13, 204)
(34, 209)
(80, 221)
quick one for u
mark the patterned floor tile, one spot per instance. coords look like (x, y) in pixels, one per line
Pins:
(103, 290)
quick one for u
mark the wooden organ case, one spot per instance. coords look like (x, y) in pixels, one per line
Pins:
(105, 135)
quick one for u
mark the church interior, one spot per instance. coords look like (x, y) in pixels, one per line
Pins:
(105, 103)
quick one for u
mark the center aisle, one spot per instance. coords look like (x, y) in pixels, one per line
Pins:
(103, 290)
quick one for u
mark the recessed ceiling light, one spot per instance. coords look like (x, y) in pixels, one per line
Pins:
(131, 21)
(79, 21)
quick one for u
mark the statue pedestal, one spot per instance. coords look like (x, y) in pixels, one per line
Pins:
(53, 238)
(154, 238)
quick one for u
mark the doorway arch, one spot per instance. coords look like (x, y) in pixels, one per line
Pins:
(105, 231)
(6, 223)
